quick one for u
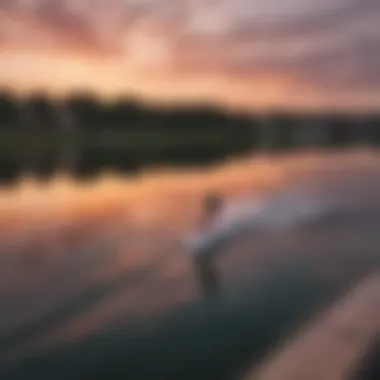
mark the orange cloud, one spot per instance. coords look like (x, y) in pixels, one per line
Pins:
(322, 55)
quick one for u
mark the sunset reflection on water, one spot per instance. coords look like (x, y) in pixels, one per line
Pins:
(63, 238)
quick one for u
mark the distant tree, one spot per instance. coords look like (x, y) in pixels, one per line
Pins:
(177, 118)
(124, 113)
(364, 130)
(286, 132)
(339, 131)
(41, 111)
(374, 121)
(8, 110)
(209, 118)
(86, 110)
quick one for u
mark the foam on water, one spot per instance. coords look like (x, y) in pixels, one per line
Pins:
(288, 208)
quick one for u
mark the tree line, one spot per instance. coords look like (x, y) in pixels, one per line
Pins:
(38, 133)
(85, 134)
(84, 113)
(88, 113)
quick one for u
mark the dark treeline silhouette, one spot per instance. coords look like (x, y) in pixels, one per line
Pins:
(40, 113)
(84, 134)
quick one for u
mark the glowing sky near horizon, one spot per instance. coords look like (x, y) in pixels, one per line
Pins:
(262, 53)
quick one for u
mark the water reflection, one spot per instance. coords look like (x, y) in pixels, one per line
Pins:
(110, 249)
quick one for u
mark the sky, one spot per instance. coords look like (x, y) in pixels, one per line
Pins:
(239, 53)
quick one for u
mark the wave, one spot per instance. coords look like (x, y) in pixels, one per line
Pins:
(287, 208)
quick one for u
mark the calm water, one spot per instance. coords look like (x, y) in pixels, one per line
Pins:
(77, 258)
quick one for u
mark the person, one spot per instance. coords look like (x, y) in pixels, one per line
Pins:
(203, 256)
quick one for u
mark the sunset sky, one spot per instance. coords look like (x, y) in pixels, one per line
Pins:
(248, 53)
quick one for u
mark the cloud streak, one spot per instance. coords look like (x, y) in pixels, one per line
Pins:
(314, 49)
